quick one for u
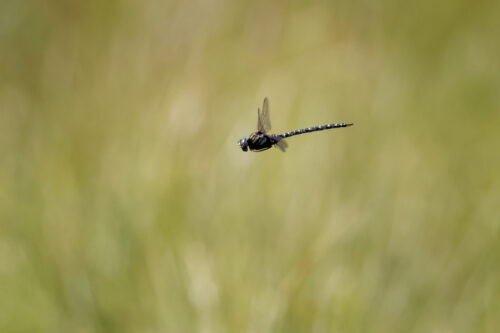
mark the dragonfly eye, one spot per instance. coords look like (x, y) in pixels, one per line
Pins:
(243, 144)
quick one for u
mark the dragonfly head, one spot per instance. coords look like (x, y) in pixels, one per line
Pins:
(243, 144)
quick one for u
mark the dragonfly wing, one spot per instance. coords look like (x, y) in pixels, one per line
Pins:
(282, 145)
(264, 121)
(260, 127)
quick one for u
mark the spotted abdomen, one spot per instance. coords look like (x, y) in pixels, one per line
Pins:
(314, 129)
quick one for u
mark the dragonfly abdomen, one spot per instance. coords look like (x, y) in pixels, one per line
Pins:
(314, 129)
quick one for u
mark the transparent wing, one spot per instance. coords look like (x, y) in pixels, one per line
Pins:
(282, 145)
(264, 122)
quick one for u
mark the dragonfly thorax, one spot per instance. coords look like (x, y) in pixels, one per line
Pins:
(258, 141)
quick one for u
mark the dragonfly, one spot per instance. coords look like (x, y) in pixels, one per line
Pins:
(262, 140)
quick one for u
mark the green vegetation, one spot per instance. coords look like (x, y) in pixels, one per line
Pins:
(127, 206)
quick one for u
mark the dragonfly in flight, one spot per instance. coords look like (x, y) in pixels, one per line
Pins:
(261, 140)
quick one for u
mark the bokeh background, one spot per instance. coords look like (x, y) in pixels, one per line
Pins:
(126, 205)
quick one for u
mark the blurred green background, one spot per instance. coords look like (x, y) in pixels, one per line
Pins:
(127, 206)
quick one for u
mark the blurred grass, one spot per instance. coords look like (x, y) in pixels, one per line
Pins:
(126, 206)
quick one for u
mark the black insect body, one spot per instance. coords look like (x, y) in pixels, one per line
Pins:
(261, 140)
